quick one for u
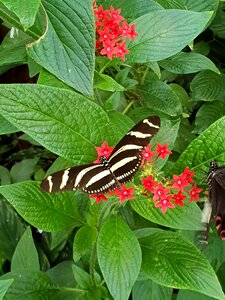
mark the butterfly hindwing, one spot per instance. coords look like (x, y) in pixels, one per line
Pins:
(120, 167)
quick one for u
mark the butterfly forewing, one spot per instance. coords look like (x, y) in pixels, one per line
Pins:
(120, 167)
(216, 183)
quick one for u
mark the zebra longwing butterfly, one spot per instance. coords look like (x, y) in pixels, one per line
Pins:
(216, 204)
(107, 175)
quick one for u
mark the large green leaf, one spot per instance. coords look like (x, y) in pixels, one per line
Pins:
(159, 96)
(185, 63)
(49, 212)
(163, 33)
(195, 5)
(208, 113)
(187, 217)
(218, 24)
(132, 9)
(30, 285)
(148, 289)
(67, 47)
(208, 86)
(62, 121)
(171, 260)
(206, 147)
(25, 255)
(119, 257)
(24, 10)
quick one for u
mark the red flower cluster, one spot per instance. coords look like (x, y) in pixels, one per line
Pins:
(169, 195)
(111, 32)
(165, 195)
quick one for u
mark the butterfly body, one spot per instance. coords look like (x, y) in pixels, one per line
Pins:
(216, 184)
(110, 173)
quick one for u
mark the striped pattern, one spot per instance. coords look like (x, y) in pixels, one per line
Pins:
(119, 168)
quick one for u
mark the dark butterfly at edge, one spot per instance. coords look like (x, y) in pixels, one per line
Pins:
(215, 207)
(110, 173)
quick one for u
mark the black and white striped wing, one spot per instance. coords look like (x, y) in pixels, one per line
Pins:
(90, 178)
(119, 168)
(126, 157)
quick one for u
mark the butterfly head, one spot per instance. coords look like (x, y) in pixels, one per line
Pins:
(104, 161)
(213, 165)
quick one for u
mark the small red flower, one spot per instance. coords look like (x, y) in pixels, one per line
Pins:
(115, 15)
(131, 32)
(120, 50)
(108, 49)
(178, 198)
(187, 175)
(194, 193)
(165, 203)
(147, 154)
(105, 34)
(99, 12)
(160, 192)
(99, 198)
(179, 182)
(163, 150)
(149, 183)
(125, 193)
(104, 150)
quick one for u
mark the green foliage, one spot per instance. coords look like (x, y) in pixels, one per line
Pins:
(77, 100)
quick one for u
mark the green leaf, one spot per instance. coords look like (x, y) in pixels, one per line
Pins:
(4, 285)
(81, 277)
(132, 9)
(159, 96)
(82, 245)
(184, 136)
(207, 114)
(184, 295)
(119, 257)
(208, 86)
(206, 147)
(25, 11)
(62, 121)
(215, 251)
(185, 63)
(187, 217)
(25, 255)
(5, 177)
(13, 50)
(59, 238)
(23, 170)
(148, 289)
(62, 274)
(67, 47)
(30, 285)
(158, 40)
(49, 212)
(218, 24)
(166, 135)
(47, 78)
(6, 127)
(107, 83)
(11, 229)
(190, 4)
(173, 261)
(84, 282)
